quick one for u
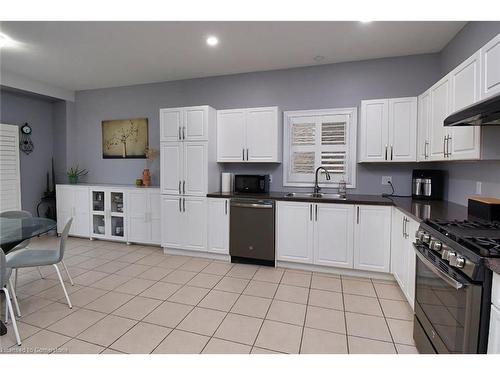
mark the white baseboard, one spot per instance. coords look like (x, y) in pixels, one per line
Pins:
(199, 254)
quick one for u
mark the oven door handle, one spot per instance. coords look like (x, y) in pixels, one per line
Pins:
(443, 276)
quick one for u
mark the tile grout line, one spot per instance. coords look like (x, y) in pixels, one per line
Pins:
(385, 319)
(305, 315)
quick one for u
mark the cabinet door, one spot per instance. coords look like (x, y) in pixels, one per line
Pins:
(81, 212)
(194, 230)
(171, 221)
(333, 235)
(411, 228)
(155, 216)
(294, 232)
(494, 335)
(64, 206)
(139, 229)
(231, 136)
(196, 124)
(440, 98)
(465, 140)
(116, 214)
(403, 129)
(194, 181)
(490, 72)
(424, 112)
(171, 173)
(218, 225)
(171, 122)
(372, 238)
(374, 130)
(398, 249)
(262, 135)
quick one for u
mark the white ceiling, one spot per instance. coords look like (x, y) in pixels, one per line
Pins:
(88, 55)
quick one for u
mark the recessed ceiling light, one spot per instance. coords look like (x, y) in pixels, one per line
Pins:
(212, 41)
(365, 21)
(6, 41)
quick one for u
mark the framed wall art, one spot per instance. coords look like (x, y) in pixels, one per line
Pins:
(125, 139)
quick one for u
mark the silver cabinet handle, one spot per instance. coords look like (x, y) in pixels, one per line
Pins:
(385, 152)
(247, 154)
(183, 132)
(184, 204)
(357, 215)
(310, 212)
(179, 186)
(391, 152)
(183, 186)
(179, 133)
(426, 144)
(444, 146)
(225, 207)
(243, 154)
(448, 139)
(403, 227)
(180, 209)
(316, 212)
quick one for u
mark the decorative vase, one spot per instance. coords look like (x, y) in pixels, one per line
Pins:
(73, 179)
(146, 177)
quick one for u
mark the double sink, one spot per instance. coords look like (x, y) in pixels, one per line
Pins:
(315, 195)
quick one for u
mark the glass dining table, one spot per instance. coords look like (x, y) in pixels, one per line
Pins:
(13, 231)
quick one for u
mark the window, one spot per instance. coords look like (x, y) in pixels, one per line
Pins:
(320, 138)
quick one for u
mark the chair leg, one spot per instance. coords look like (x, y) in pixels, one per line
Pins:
(11, 312)
(63, 286)
(15, 279)
(6, 311)
(14, 297)
(67, 272)
(40, 272)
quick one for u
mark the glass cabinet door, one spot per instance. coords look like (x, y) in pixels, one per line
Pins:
(116, 199)
(98, 201)
(117, 227)
(98, 224)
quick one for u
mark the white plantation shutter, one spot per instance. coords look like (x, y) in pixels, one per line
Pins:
(319, 140)
(10, 180)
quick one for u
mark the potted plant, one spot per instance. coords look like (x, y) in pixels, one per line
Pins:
(75, 172)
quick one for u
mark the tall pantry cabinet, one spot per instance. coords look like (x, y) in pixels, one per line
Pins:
(188, 172)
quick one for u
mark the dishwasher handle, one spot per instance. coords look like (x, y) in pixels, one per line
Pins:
(252, 205)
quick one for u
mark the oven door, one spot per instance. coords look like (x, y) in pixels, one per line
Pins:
(447, 306)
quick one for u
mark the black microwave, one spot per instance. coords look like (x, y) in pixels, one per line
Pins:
(251, 183)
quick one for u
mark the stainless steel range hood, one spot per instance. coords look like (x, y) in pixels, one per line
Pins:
(485, 112)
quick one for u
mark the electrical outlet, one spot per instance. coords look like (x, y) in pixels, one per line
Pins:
(479, 187)
(386, 180)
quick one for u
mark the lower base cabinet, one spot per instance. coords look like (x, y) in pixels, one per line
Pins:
(403, 259)
(330, 234)
(73, 201)
(218, 225)
(184, 222)
(494, 335)
(372, 238)
(144, 218)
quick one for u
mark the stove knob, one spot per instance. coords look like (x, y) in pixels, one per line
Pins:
(447, 254)
(418, 234)
(436, 245)
(425, 237)
(457, 261)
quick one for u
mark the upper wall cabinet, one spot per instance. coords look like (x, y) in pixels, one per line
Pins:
(248, 135)
(388, 130)
(439, 109)
(490, 68)
(185, 124)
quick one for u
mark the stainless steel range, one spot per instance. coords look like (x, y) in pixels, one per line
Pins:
(453, 285)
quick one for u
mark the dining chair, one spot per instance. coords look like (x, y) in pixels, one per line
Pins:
(40, 257)
(4, 280)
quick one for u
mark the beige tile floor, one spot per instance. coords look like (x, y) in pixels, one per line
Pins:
(135, 299)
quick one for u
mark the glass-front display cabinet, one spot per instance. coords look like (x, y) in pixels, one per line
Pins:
(108, 213)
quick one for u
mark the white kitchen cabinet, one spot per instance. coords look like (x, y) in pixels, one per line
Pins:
(184, 168)
(184, 222)
(439, 110)
(107, 208)
(333, 234)
(143, 219)
(315, 233)
(185, 124)
(248, 135)
(372, 238)
(294, 232)
(494, 334)
(73, 201)
(490, 68)
(464, 142)
(424, 122)
(218, 225)
(495, 290)
(403, 254)
(389, 130)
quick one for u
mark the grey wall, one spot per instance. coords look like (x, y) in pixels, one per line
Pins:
(16, 109)
(326, 86)
(464, 175)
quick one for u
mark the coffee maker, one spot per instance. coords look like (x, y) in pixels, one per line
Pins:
(428, 184)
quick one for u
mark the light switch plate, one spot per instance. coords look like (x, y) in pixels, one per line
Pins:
(479, 187)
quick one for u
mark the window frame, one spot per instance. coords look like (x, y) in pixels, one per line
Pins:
(351, 143)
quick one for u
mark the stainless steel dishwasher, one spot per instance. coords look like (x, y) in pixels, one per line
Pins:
(251, 235)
